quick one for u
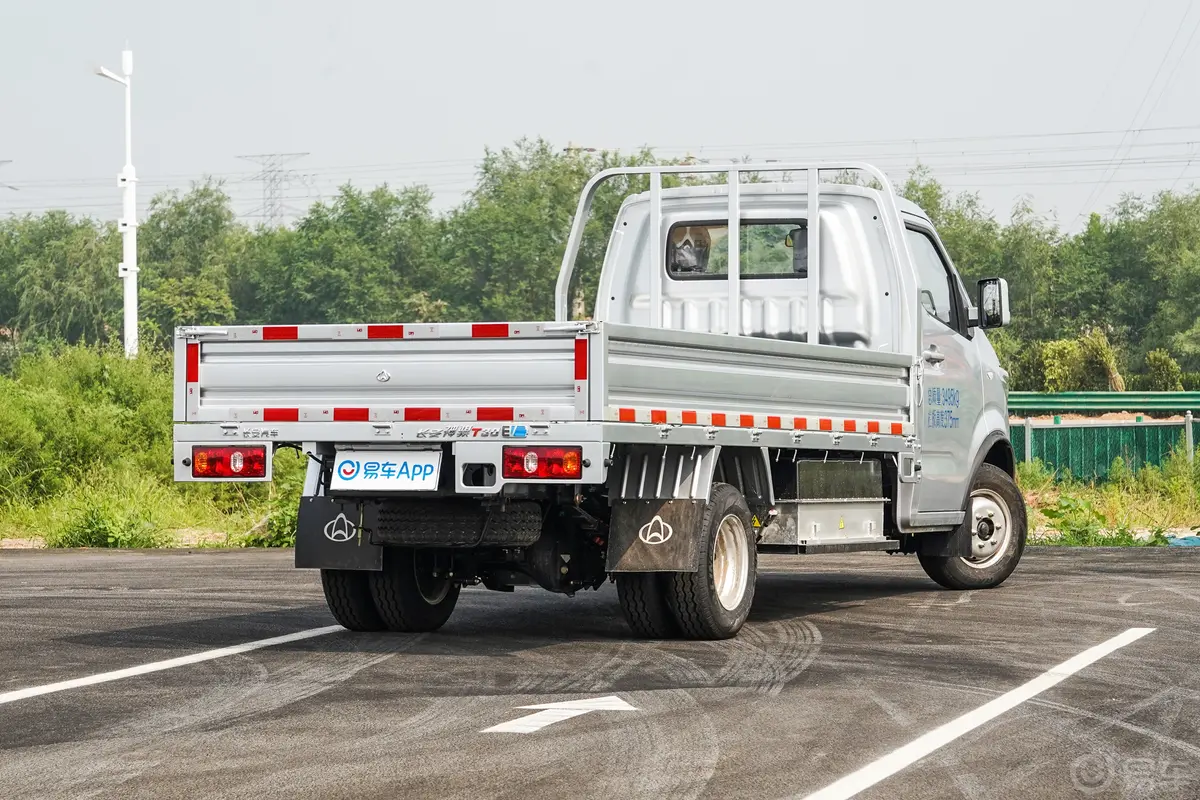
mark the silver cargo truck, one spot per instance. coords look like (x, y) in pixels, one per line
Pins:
(789, 367)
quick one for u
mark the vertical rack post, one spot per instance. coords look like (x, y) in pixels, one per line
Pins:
(733, 238)
(813, 233)
(657, 250)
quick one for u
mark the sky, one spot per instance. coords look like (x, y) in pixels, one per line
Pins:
(1068, 104)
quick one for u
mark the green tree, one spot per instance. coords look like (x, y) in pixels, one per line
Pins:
(187, 245)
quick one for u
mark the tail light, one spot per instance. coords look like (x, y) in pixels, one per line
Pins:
(552, 463)
(229, 462)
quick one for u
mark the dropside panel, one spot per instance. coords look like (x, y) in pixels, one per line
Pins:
(485, 378)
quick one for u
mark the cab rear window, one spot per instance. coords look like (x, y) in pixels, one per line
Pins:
(766, 249)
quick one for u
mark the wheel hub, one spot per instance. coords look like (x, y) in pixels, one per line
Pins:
(730, 562)
(433, 580)
(991, 526)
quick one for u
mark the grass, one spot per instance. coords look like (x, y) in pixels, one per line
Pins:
(1131, 508)
(85, 461)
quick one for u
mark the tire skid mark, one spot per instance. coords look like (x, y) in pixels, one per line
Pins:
(245, 688)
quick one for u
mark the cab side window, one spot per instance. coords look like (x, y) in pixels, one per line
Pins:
(933, 278)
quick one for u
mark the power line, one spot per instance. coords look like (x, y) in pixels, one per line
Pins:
(1095, 193)
(7, 185)
(274, 179)
(1175, 68)
(1120, 63)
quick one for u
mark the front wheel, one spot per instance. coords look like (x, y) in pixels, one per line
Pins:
(996, 517)
(414, 592)
(714, 601)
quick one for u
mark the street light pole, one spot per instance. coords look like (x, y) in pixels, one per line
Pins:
(127, 270)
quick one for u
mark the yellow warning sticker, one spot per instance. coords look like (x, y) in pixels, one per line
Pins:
(754, 521)
(841, 523)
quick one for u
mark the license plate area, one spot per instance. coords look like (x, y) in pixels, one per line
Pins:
(375, 471)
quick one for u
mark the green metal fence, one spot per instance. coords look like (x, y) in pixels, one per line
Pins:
(1087, 449)
(1021, 403)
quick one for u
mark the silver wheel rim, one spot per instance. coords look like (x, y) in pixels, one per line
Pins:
(991, 528)
(432, 586)
(731, 562)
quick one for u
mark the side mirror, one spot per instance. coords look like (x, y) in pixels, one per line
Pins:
(993, 303)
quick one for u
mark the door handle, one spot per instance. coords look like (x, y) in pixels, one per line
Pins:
(933, 356)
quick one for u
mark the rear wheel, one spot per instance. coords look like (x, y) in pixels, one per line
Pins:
(996, 517)
(714, 601)
(348, 595)
(413, 593)
(644, 604)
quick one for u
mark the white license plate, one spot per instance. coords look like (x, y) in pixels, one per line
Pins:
(386, 470)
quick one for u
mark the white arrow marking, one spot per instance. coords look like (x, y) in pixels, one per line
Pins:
(557, 712)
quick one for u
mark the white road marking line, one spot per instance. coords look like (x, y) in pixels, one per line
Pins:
(917, 749)
(557, 712)
(171, 663)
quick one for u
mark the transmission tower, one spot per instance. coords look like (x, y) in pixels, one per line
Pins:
(4, 185)
(275, 179)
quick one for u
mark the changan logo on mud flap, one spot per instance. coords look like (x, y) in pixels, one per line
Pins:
(655, 531)
(340, 529)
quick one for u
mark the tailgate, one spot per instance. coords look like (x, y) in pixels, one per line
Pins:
(394, 373)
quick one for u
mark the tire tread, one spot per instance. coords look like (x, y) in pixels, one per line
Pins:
(644, 605)
(348, 596)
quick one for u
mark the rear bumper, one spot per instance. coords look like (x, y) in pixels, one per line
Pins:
(469, 444)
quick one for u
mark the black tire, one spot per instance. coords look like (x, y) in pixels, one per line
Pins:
(693, 596)
(348, 595)
(407, 596)
(644, 604)
(993, 485)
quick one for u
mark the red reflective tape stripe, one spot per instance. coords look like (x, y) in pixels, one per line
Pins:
(658, 417)
(826, 424)
(897, 428)
(849, 425)
(490, 330)
(494, 414)
(689, 418)
(800, 423)
(872, 427)
(422, 414)
(774, 422)
(718, 420)
(581, 359)
(281, 415)
(746, 420)
(627, 415)
(385, 331)
(193, 362)
(280, 332)
(351, 414)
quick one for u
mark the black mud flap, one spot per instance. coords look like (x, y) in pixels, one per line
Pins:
(947, 544)
(335, 534)
(655, 536)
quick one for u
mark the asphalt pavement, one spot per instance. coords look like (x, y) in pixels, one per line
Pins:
(846, 660)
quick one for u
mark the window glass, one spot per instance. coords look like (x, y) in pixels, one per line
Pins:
(766, 250)
(933, 279)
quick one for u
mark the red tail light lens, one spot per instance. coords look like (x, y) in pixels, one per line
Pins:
(229, 462)
(551, 463)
